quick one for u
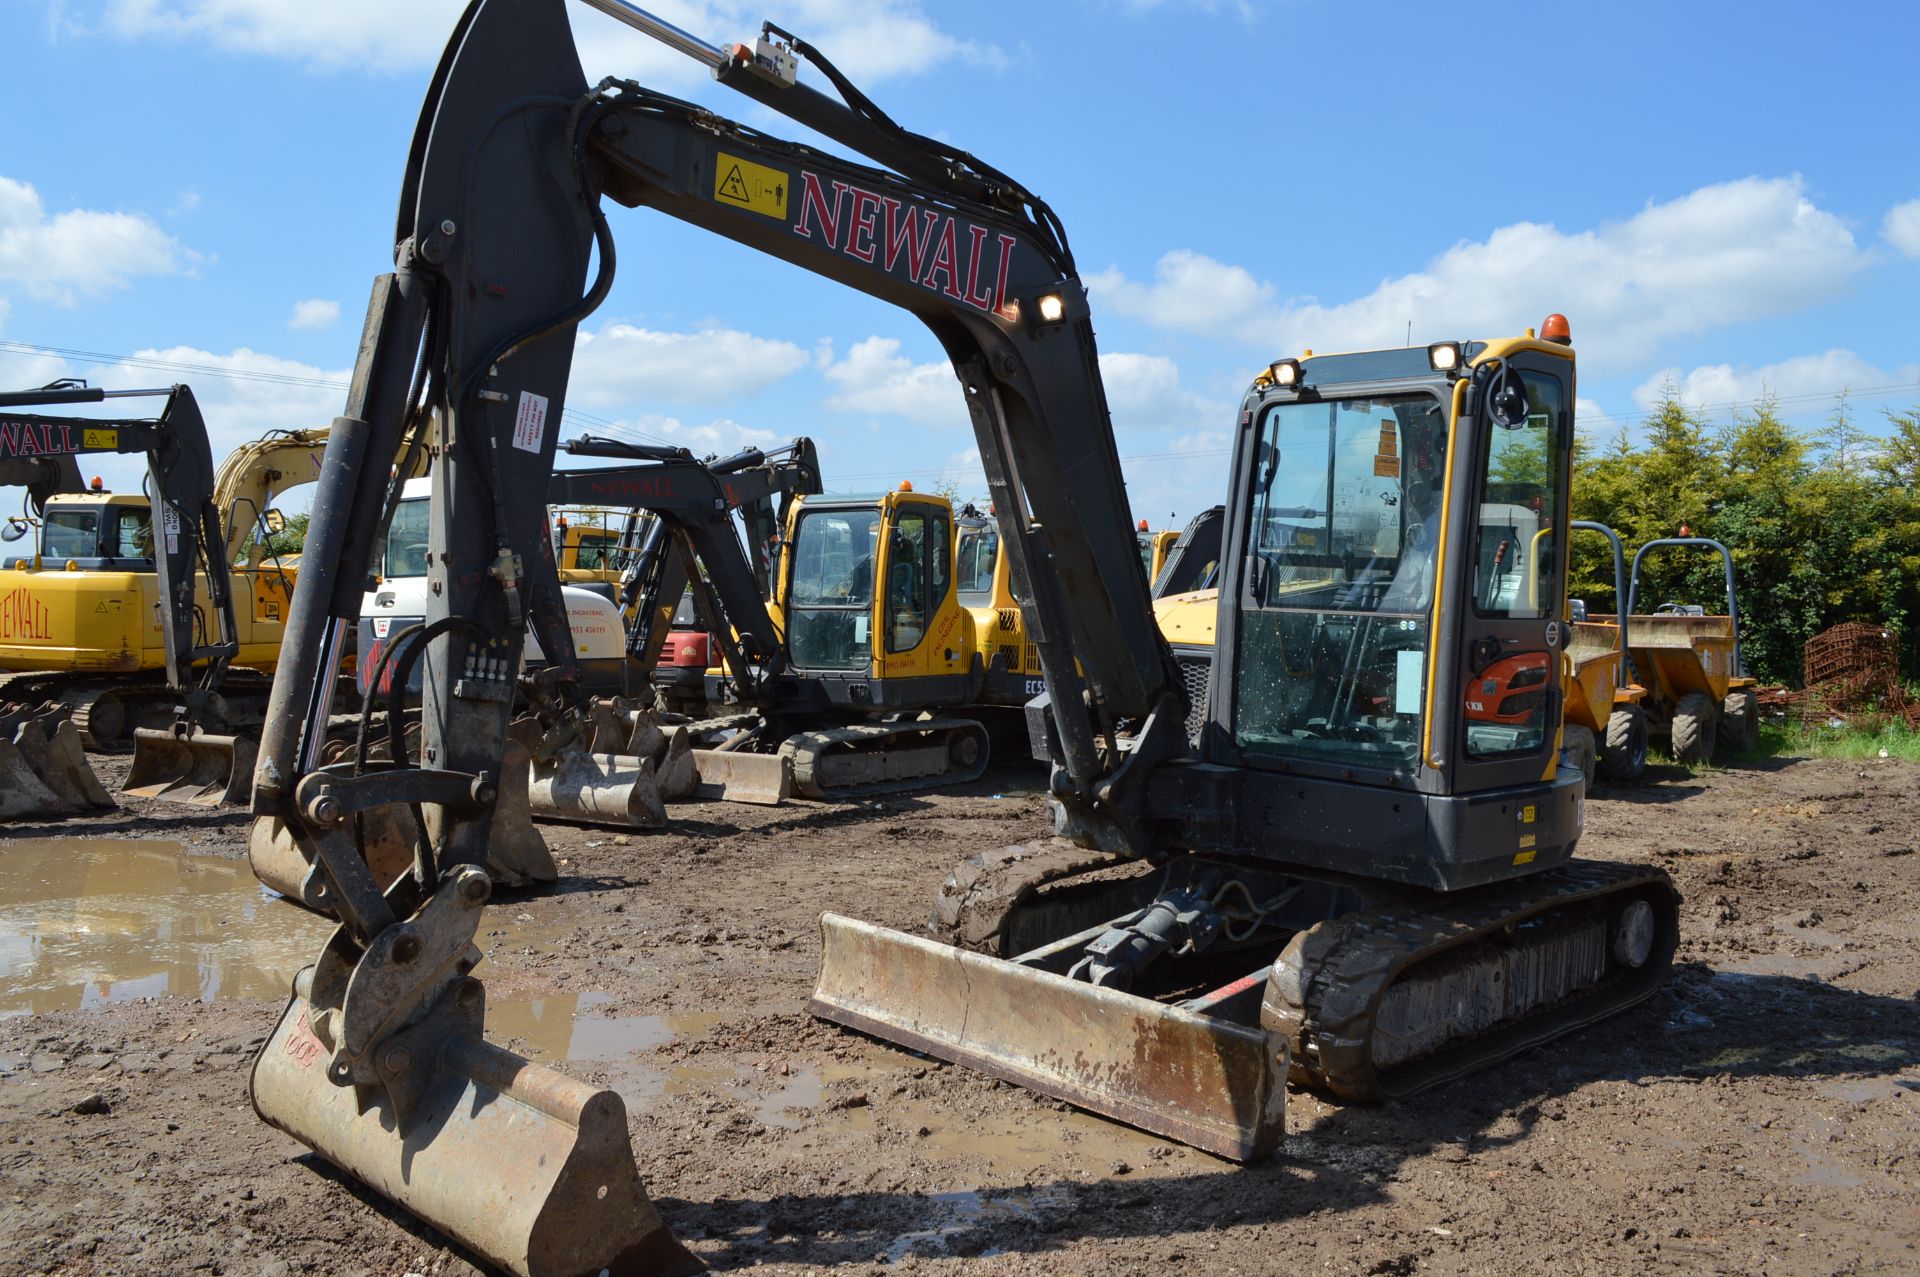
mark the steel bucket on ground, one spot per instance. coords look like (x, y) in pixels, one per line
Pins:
(526, 1167)
(194, 767)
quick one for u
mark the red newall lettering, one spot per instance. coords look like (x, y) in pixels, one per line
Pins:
(1006, 260)
(9, 439)
(24, 444)
(979, 234)
(814, 200)
(945, 261)
(865, 206)
(66, 438)
(913, 235)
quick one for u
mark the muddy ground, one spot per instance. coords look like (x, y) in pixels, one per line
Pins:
(1760, 1115)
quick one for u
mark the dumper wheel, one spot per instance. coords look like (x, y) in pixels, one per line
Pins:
(1694, 728)
(1577, 750)
(1624, 756)
(1740, 722)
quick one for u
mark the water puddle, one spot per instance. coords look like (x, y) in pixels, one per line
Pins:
(564, 1026)
(85, 922)
(966, 1212)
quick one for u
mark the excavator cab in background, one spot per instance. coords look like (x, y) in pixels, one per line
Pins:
(130, 628)
(1342, 873)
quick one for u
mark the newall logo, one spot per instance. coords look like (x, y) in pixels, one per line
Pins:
(23, 617)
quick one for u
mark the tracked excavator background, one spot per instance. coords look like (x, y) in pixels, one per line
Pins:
(1343, 685)
(74, 637)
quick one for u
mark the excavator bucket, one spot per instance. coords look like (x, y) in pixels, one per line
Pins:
(523, 1165)
(596, 789)
(517, 854)
(1209, 1082)
(736, 776)
(43, 770)
(183, 765)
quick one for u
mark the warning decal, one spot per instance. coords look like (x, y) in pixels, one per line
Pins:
(100, 438)
(1386, 462)
(750, 186)
(170, 525)
(530, 423)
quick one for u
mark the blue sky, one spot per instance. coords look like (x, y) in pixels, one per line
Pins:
(1725, 196)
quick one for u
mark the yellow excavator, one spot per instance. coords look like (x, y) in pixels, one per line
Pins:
(129, 628)
(1345, 876)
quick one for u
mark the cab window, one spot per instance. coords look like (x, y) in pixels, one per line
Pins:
(832, 589)
(129, 534)
(1515, 567)
(71, 534)
(407, 539)
(979, 549)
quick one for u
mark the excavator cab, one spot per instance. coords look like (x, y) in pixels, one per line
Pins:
(866, 586)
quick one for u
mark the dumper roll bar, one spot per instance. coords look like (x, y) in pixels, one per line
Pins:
(1726, 562)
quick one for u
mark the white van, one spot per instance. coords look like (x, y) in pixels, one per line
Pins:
(400, 600)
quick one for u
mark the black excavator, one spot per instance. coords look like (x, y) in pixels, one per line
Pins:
(1344, 872)
(187, 713)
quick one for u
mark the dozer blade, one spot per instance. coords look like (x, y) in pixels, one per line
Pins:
(198, 768)
(732, 776)
(523, 1165)
(49, 744)
(1207, 1082)
(596, 789)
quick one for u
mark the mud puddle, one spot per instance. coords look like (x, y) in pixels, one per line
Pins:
(89, 921)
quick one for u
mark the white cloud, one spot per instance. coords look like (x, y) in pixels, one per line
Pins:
(79, 252)
(1806, 385)
(1144, 393)
(315, 312)
(876, 378)
(1596, 425)
(871, 40)
(622, 363)
(1902, 228)
(1723, 254)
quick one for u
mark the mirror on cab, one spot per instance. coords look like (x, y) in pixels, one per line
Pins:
(15, 529)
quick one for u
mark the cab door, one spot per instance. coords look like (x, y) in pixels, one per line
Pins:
(1512, 563)
(918, 621)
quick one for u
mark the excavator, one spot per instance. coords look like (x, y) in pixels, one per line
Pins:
(1342, 872)
(75, 626)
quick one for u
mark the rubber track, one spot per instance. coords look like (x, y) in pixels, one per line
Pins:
(807, 748)
(1355, 957)
(974, 904)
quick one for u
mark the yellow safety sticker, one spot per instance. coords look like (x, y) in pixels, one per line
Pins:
(1527, 840)
(100, 438)
(750, 186)
(1526, 814)
(1386, 462)
(1524, 858)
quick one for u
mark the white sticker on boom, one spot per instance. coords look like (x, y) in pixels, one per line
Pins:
(1408, 676)
(530, 423)
(170, 522)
